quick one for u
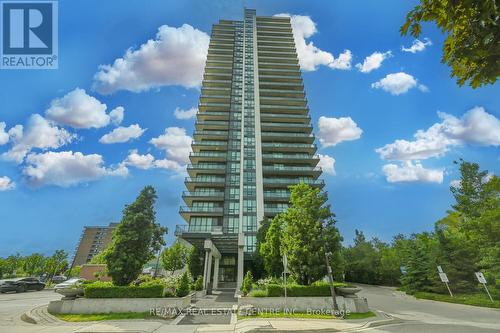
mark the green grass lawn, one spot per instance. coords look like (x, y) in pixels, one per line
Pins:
(104, 316)
(477, 299)
(305, 315)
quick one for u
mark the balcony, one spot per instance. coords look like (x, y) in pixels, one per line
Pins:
(208, 156)
(287, 137)
(193, 182)
(194, 170)
(296, 118)
(286, 127)
(209, 145)
(285, 182)
(188, 197)
(276, 196)
(289, 147)
(209, 124)
(186, 212)
(271, 211)
(210, 135)
(292, 170)
(186, 230)
(213, 106)
(291, 158)
(212, 115)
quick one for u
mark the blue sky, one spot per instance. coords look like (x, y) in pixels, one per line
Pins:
(61, 174)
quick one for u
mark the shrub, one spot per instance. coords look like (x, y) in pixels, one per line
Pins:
(198, 284)
(258, 293)
(141, 279)
(246, 286)
(183, 286)
(296, 290)
(108, 290)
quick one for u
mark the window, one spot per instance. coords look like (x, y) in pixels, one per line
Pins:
(249, 206)
(250, 243)
(234, 208)
(233, 225)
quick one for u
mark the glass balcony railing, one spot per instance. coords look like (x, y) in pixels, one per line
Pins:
(288, 145)
(209, 143)
(290, 168)
(215, 229)
(274, 210)
(288, 134)
(203, 194)
(285, 125)
(207, 154)
(292, 181)
(279, 195)
(290, 156)
(186, 209)
(206, 166)
(204, 180)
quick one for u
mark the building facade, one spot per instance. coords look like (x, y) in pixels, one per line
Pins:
(252, 140)
(92, 241)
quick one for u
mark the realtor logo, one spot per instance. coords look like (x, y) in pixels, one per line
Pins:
(28, 34)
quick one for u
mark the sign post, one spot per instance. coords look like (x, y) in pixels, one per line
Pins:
(285, 272)
(482, 280)
(444, 278)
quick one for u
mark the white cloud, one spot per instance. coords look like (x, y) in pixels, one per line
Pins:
(65, 168)
(327, 164)
(332, 131)
(148, 161)
(175, 57)
(176, 144)
(373, 61)
(417, 46)
(116, 115)
(6, 184)
(78, 110)
(398, 83)
(39, 133)
(476, 126)
(456, 183)
(409, 172)
(310, 56)
(4, 136)
(122, 134)
(139, 161)
(185, 114)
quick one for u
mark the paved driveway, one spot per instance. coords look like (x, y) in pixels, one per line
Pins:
(13, 305)
(429, 316)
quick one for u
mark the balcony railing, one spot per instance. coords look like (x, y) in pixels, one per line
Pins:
(203, 194)
(288, 145)
(292, 181)
(205, 229)
(206, 167)
(186, 209)
(207, 154)
(204, 180)
(290, 168)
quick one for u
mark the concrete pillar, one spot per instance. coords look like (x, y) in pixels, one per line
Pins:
(241, 258)
(205, 269)
(209, 271)
(216, 273)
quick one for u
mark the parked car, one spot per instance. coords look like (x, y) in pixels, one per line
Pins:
(59, 278)
(22, 285)
(70, 288)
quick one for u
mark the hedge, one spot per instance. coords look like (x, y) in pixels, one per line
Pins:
(295, 290)
(108, 290)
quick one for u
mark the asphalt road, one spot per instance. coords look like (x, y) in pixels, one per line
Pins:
(13, 305)
(429, 316)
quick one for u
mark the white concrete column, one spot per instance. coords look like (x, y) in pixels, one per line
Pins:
(216, 273)
(241, 258)
(205, 270)
(209, 270)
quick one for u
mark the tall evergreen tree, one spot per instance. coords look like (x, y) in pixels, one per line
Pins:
(309, 232)
(135, 240)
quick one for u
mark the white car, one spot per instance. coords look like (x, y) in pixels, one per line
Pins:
(70, 288)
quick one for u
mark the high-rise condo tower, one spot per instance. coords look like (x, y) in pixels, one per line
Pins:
(253, 138)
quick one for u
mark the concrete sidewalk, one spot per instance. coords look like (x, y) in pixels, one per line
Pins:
(46, 324)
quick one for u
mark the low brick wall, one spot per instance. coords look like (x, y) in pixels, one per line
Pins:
(109, 305)
(305, 304)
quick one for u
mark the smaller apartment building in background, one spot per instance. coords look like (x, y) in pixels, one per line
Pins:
(94, 239)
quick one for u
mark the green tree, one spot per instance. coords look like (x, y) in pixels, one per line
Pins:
(361, 260)
(183, 287)
(195, 263)
(420, 263)
(135, 240)
(174, 257)
(34, 264)
(309, 233)
(258, 266)
(56, 263)
(270, 248)
(472, 45)
(246, 285)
